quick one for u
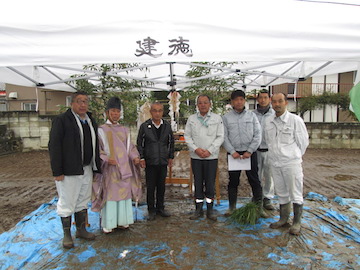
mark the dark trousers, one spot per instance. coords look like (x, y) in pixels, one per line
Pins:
(253, 178)
(204, 171)
(155, 183)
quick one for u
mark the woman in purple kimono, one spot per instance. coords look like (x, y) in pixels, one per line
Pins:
(119, 183)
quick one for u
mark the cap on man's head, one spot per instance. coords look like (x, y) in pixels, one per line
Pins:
(113, 103)
(237, 93)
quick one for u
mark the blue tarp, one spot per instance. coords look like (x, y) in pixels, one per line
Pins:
(330, 239)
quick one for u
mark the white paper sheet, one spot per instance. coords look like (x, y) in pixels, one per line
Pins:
(237, 164)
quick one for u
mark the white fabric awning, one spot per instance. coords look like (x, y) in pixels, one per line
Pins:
(287, 38)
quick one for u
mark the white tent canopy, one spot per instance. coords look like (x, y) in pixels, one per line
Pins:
(42, 44)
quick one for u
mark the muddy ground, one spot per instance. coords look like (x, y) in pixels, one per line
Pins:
(26, 181)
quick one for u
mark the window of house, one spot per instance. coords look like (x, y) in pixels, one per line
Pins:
(29, 106)
(3, 107)
(291, 88)
(251, 106)
(68, 101)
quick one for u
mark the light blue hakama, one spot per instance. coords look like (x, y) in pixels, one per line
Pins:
(117, 213)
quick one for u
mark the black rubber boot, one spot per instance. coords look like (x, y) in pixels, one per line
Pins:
(284, 216)
(199, 212)
(232, 194)
(152, 215)
(67, 240)
(296, 226)
(80, 220)
(210, 211)
(163, 213)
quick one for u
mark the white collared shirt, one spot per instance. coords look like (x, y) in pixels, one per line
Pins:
(81, 119)
(155, 125)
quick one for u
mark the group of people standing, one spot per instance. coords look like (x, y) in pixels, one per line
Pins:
(271, 137)
(102, 161)
(101, 164)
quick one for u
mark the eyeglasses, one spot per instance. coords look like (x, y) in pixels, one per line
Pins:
(85, 102)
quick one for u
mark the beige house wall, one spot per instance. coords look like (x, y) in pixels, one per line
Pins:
(342, 83)
(49, 101)
(24, 95)
(54, 100)
(344, 80)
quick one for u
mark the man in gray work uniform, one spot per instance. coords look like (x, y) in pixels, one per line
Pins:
(242, 139)
(263, 112)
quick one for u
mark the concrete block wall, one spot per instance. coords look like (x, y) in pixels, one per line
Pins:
(34, 131)
(334, 135)
(30, 127)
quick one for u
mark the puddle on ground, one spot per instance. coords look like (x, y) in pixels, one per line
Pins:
(344, 177)
(327, 166)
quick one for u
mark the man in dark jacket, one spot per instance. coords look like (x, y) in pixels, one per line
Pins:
(74, 155)
(155, 143)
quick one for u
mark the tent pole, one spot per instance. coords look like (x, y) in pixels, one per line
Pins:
(136, 78)
(266, 65)
(70, 80)
(286, 71)
(208, 76)
(56, 76)
(23, 75)
(74, 69)
(138, 67)
(172, 82)
(316, 70)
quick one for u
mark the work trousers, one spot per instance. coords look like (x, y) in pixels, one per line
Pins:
(74, 192)
(288, 182)
(253, 178)
(265, 174)
(204, 171)
(155, 183)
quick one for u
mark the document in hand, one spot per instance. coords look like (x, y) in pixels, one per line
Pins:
(237, 164)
